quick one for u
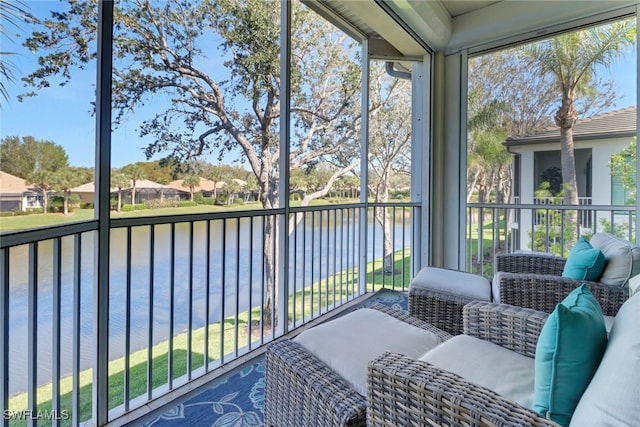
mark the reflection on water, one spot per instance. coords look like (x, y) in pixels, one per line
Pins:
(228, 257)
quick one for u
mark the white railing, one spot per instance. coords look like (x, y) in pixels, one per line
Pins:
(586, 218)
(500, 228)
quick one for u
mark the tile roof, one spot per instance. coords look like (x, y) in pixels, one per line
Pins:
(205, 185)
(11, 184)
(617, 123)
(89, 187)
(141, 183)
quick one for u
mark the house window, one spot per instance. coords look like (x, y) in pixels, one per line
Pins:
(621, 194)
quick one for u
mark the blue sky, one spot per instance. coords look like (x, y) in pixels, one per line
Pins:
(63, 114)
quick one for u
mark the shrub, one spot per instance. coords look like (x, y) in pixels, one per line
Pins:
(187, 204)
(201, 200)
(619, 229)
(55, 204)
(158, 203)
(401, 195)
(136, 207)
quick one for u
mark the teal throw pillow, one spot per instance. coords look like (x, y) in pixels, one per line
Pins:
(584, 262)
(570, 347)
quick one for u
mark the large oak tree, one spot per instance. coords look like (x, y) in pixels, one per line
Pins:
(214, 68)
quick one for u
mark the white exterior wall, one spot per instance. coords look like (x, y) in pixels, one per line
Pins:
(601, 151)
(526, 195)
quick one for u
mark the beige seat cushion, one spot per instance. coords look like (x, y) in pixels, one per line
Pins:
(480, 362)
(348, 343)
(473, 286)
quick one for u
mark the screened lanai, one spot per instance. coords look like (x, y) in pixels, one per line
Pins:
(110, 316)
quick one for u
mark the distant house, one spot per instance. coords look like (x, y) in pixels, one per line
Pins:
(149, 190)
(86, 192)
(207, 188)
(145, 190)
(17, 195)
(536, 158)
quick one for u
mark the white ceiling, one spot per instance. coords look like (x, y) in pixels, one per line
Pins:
(459, 7)
(413, 27)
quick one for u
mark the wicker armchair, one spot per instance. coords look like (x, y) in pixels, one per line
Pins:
(534, 280)
(301, 390)
(403, 391)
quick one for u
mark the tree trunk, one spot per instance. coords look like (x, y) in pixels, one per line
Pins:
(270, 251)
(119, 200)
(384, 219)
(566, 118)
(568, 162)
(65, 202)
(45, 199)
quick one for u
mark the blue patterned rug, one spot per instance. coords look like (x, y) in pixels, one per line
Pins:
(238, 401)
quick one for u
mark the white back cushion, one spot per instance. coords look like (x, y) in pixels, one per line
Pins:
(613, 396)
(622, 256)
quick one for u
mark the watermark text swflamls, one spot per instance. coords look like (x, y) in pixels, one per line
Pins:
(36, 415)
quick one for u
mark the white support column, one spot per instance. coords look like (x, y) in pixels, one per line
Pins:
(449, 162)
(420, 161)
(364, 169)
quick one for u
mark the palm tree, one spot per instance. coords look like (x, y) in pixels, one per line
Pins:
(573, 60)
(191, 181)
(119, 181)
(214, 174)
(135, 173)
(64, 179)
(10, 13)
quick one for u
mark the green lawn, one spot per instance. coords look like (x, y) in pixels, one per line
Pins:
(22, 222)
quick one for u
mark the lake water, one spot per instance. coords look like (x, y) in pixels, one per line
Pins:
(235, 274)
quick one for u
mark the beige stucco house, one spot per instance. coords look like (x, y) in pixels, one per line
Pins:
(17, 195)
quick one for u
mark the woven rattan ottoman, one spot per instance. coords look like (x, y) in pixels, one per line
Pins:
(437, 295)
(319, 378)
